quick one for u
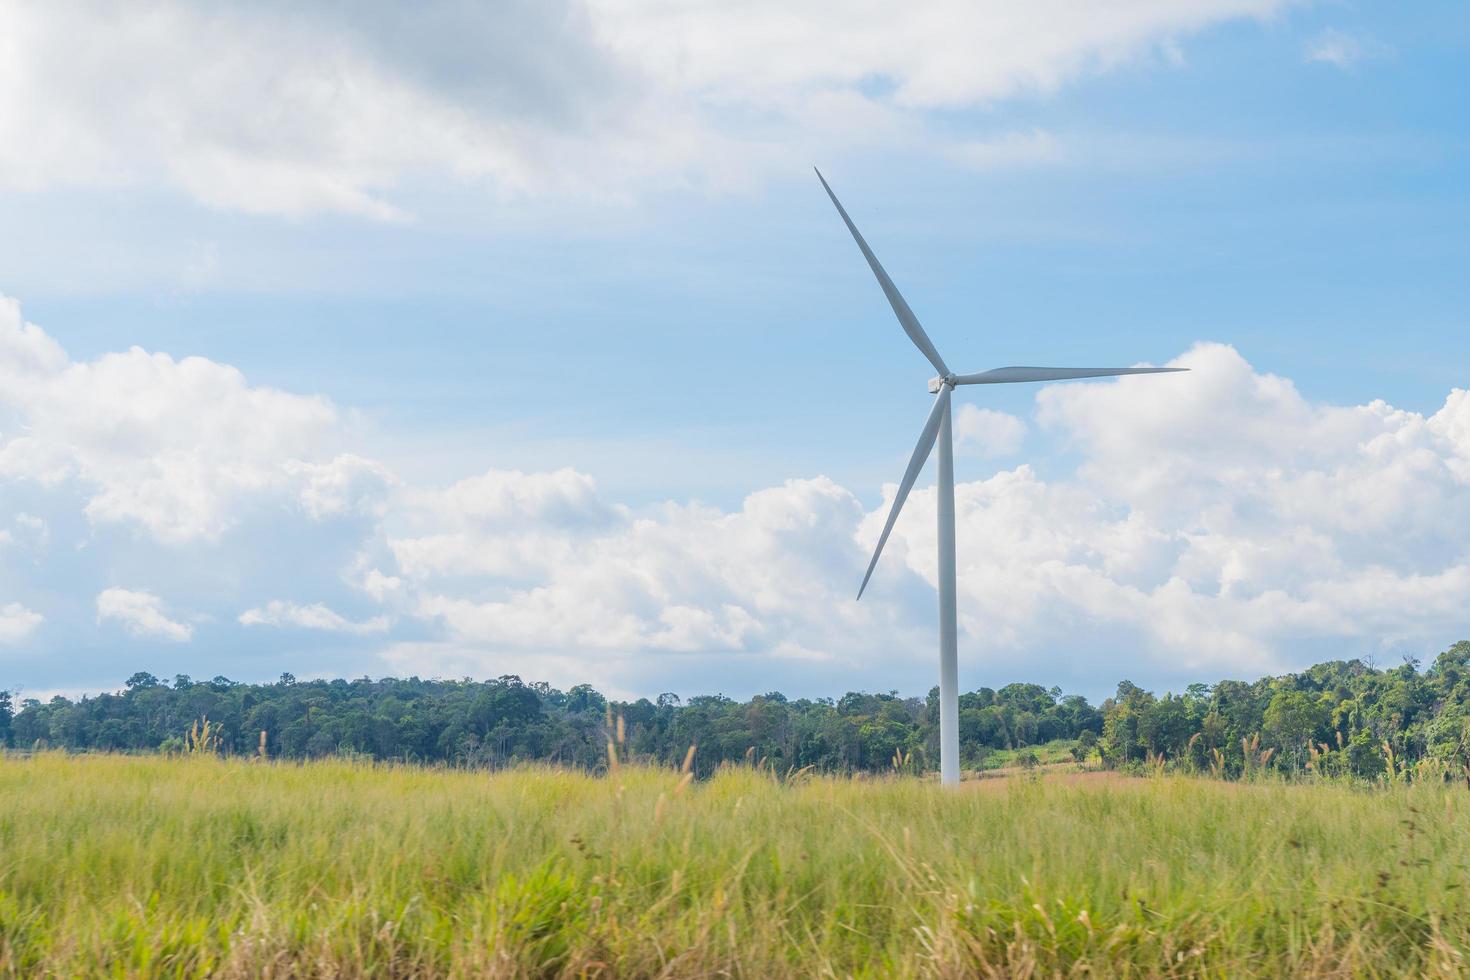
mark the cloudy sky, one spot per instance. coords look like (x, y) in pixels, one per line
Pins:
(476, 338)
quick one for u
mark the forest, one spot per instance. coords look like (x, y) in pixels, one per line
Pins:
(1342, 717)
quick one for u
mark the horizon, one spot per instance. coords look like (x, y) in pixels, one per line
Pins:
(1420, 665)
(526, 342)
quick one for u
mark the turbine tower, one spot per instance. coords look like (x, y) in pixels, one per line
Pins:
(937, 429)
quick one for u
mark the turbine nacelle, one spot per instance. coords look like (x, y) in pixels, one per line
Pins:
(936, 383)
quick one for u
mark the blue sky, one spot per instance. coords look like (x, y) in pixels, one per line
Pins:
(571, 347)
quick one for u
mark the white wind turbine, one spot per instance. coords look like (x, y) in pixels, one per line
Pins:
(937, 428)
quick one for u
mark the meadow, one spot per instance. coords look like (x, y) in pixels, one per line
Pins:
(152, 866)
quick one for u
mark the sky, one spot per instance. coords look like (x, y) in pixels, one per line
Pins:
(464, 339)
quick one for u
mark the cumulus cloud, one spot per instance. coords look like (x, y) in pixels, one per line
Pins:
(946, 54)
(502, 498)
(313, 617)
(141, 614)
(345, 485)
(1234, 449)
(17, 622)
(684, 588)
(689, 579)
(986, 432)
(1216, 522)
(28, 533)
(502, 522)
(299, 108)
(378, 585)
(1249, 516)
(178, 447)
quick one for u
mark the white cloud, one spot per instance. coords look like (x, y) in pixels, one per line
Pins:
(1343, 50)
(345, 485)
(17, 622)
(31, 534)
(1247, 516)
(688, 580)
(1217, 522)
(141, 614)
(299, 108)
(949, 53)
(313, 617)
(509, 497)
(179, 447)
(378, 585)
(503, 522)
(986, 432)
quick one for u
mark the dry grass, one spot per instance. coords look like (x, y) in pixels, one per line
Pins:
(200, 867)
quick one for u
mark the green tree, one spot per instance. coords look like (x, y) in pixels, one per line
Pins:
(1351, 706)
(1293, 719)
(6, 712)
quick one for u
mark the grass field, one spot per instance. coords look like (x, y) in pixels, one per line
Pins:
(151, 866)
(1046, 754)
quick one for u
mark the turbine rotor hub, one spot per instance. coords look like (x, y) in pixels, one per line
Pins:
(937, 383)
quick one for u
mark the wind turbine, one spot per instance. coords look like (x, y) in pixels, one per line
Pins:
(937, 429)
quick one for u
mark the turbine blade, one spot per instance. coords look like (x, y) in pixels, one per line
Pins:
(895, 298)
(1011, 375)
(916, 463)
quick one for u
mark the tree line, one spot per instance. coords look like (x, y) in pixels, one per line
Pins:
(1341, 717)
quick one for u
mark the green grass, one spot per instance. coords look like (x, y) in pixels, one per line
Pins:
(152, 866)
(1056, 752)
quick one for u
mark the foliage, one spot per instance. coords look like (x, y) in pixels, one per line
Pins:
(1342, 718)
(143, 867)
(505, 721)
